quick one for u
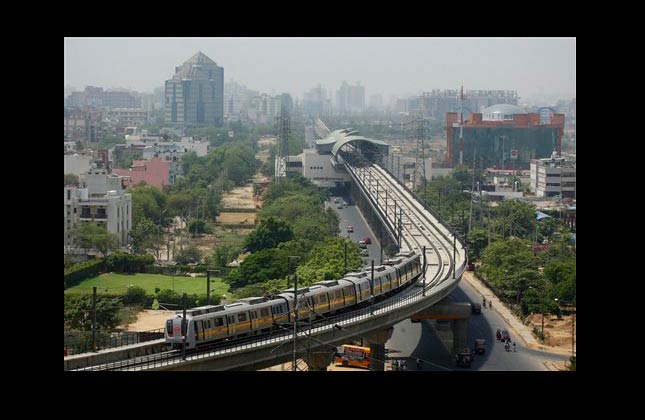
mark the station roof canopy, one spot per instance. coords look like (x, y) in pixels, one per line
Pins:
(339, 138)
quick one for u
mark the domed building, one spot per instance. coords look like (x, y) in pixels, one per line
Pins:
(501, 112)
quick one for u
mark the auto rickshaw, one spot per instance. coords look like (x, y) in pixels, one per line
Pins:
(480, 346)
(464, 358)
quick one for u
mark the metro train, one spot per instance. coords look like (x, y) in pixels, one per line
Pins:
(258, 315)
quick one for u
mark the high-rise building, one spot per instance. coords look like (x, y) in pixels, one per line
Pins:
(376, 102)
(350, 99)
(195, 94)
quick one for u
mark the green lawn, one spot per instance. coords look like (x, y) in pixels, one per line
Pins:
(118, 283)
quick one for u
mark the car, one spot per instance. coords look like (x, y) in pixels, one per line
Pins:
(339, 206)
(367, 240)
(365, 253)
(350, 228)
(476, 307)
(336, 200)
(362, 244)
(505, 336)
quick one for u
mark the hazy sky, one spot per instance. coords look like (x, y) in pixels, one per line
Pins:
(390, 66)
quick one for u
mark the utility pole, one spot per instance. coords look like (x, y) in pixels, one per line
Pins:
(400, 225)
(295, 320)
(208, 287)
(424, 270)
(398, 168)
(345, 272)
(94, 318)
(380, 242)
(454, 246)
(472, 189)
(372, 291)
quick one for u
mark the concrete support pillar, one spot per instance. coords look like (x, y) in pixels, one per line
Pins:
(460, 335)
(376, 340)
(319, 361)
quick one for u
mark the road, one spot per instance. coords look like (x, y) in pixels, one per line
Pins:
(352, 216)
(422, 340)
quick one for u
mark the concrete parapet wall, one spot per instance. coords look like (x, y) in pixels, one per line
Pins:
(114, 354)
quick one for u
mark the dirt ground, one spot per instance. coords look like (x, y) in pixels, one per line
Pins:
(239, 197)
(228, 218)
(149, 319)
(557, 332)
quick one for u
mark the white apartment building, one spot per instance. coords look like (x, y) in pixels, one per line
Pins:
(101, 199)
(553, 176)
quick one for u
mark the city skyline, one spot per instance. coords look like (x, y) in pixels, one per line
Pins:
(543, 67)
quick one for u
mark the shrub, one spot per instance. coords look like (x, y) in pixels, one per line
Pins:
(128, 263)
(134, 294)
(81, 271)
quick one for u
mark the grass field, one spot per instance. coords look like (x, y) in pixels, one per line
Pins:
(118, 283)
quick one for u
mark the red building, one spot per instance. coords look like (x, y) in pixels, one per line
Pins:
(504, 136)
(154, 172)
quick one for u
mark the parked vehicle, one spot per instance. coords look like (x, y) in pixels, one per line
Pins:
(365, 253)
(367, 240)
(362, 244)
(336, 200)
(350, 228)
(480, 346)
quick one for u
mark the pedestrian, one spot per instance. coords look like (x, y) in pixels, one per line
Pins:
(513, 346)
(490, 304)
(484, 301)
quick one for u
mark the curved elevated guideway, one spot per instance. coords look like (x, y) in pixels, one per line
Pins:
(415, 227)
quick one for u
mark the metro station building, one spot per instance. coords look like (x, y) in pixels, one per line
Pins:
(324, 164)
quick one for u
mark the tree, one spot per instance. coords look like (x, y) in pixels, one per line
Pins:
(510, 266)
(71, 180)
(145, 236)
(198, 226)
(190, 254)
(270, 233)
(78, 312)
(90, 236)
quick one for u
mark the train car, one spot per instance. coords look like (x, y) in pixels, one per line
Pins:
(334, 293)
(258, 315)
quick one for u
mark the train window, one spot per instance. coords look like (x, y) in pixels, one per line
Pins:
(264, 312)
(169, 327)
(323, 298)
(231, 320)
(218, 322)
(241, 317)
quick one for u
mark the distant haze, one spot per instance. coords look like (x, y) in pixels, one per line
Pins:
(390, 66)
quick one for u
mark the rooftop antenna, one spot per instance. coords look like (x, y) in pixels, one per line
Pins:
(283, 129)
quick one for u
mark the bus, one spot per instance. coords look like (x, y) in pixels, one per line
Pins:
(354, 356)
